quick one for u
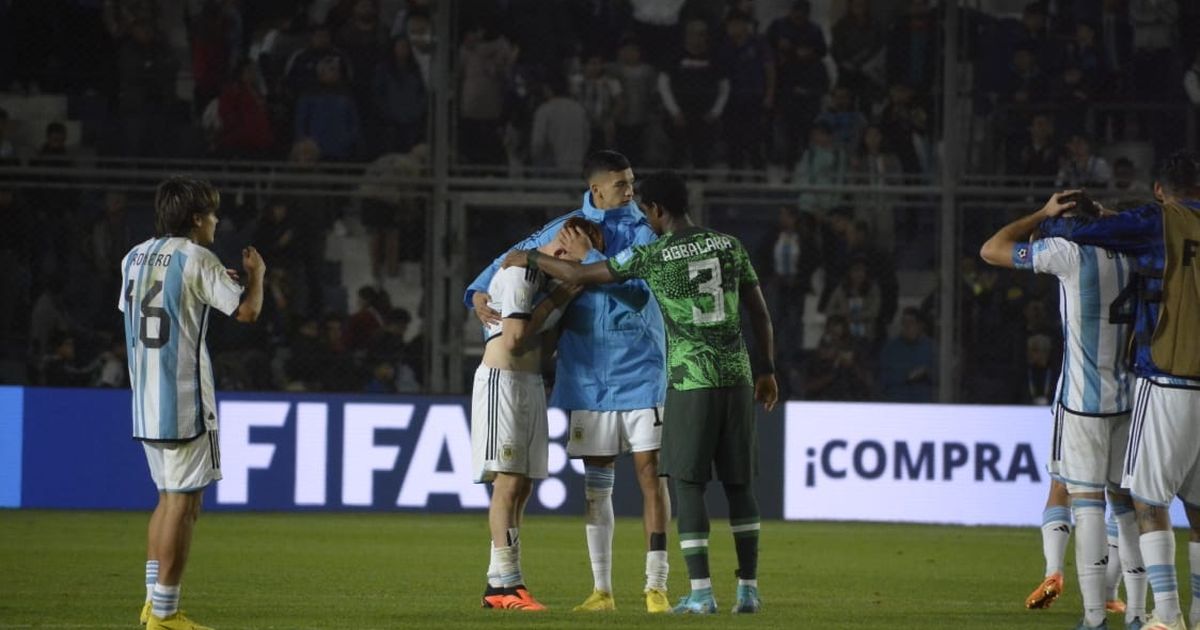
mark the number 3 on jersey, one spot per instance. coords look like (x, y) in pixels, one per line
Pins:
(712, 287)
(151, 312)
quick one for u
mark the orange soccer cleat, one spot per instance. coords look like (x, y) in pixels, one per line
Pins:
(1046, 592)
(512, 598)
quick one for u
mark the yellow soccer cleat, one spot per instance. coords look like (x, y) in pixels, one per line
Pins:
(656, 601)
(177, 621)
(1046, 592)
(144, 618)
(598, 601)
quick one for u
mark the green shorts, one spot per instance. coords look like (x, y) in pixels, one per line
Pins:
(710, 429)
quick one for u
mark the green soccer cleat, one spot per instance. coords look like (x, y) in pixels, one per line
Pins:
(747, 599)
(699, 602)
(177, 621)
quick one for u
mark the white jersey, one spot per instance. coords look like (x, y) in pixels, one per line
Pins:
(1095, 379)
(514, 292)
(169, 285)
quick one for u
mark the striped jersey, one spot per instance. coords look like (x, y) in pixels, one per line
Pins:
(1095, 379)
(514, 293)
(169, 285)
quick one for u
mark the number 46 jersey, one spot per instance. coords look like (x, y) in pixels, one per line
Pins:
(170, 284)
(696, 274)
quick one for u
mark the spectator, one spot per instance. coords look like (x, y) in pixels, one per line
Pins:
(600, 96)
(113, 371)
(50, 317)
(309, 357)
(16, 258)
(1072, 89)
(246, 130)
(1083, 53)
(364, 40)
(1038, 155)
(109, 239)
(59, 367)
(823, 164)
(6, 147)
(857, 299)
(383, 379)
(366, 321)
(873, 164)
(907, 363)
(921, 154)
(694, 91)
(400, 98)
(561, 130)
(1116, 46)
(786, 262)
(1026, 83)
(328, 114)
(913, 48)
(637, 80)
(880, 268)
(485, 61)
(801, 84)
(1035, 37)
(1125, 181)
(843, 117)
(751, 92)
(1191, 83)
(1041, 372)
(387, 211)
(838, 369)
(895, 116)
(656, 27)
(858, 49)
(146, 70)
(418, 28)
(1155, 35)
(794, 30)
(1082, 169)
(301, 73)
(210, 32)
(390, 349)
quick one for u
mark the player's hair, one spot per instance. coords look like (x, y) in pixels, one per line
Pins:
(665, 188)
(1179, 174)
(591, 230)
(604, 161)
(180, 198)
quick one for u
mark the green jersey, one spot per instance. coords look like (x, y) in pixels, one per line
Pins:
(696, 273)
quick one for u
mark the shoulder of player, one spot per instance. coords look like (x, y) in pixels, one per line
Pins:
(515, 276)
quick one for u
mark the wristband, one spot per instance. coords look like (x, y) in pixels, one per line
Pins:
(531, 259)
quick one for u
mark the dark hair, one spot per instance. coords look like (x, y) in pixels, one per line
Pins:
(667, 189)
(604, 161)
(178, 199)
(1179, 174)
(56, 127)
(557, 82)
(592, 230)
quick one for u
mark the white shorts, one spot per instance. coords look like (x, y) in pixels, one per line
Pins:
(1163, 458)
(185, 466)
(609, 433)
(509, 431)
(1088, 452)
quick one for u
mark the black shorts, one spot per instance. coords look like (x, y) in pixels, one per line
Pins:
(706, 430)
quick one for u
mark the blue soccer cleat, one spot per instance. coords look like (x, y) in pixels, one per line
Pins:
(747, 599)
(699, 602)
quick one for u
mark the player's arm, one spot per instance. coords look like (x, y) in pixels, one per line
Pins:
(252, 298)
(476, 298)
(1133, 232)
(1001, 249)
(766, 390)
(520, 334)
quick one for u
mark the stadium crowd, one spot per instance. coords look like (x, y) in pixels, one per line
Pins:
(702, 83)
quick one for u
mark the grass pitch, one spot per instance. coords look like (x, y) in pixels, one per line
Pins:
(335, 571)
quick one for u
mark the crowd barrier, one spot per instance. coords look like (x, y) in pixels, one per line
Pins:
(969, 465)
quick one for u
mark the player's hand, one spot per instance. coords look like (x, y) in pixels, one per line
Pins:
(253, 263)
(486, 314)
(766, 391)
(515, 258)
(565, 293)
(1056, 206)
(575, 242)
(233, 275)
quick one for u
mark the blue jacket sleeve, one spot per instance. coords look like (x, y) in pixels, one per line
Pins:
(537, 239)
(1133, 232)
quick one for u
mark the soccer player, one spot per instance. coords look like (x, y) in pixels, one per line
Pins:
(610, 378)
(1092, 402)
(170, 283)
(509, 435)
(1163, 459)
(700, 277)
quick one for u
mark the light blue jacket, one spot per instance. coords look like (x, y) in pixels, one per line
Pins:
(611, 352)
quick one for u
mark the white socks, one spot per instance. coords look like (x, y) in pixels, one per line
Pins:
(1158, 551)
(1134, 568)
(1194, 567)
(657, 570)
(598, 517)
(151, 577)
(1090, 554)
(505, 569)
(1056, 531)
(1113, 572)
(166, 600)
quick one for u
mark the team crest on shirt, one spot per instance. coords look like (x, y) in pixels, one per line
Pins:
(507, 452)
(576, 433)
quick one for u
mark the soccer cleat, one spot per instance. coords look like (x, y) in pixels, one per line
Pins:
(1083, 625)
(144, 618)
(1135, 624)
(747, 599)
(656, 601)
(598, 601)
(510, 598)
(699, 602)
(1115, 606)
(1046, 592)
(177, 621)
(1154, 623)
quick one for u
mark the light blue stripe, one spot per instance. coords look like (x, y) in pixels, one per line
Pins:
(1120, 376)
(168, 355)
(1089, 327)
(130, 338)
(1064, 388)
(139, 392)
(1111, 529)
(1120, 509)
(1056, 514)
(1162, 578)
(1087, 503)
(1195, 586)
(12, 424)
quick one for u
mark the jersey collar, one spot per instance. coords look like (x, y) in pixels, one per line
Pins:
(592, 213)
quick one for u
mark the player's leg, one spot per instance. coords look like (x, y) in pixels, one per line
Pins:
(694, 530)
(736, 463)
(1193, 515)
(642, 431)
(154, 460)
(1056, 528)
(1090, 553)
(1133, 568)
(1113, 570)
(502, 514)
(689, 439)
(595, 436)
